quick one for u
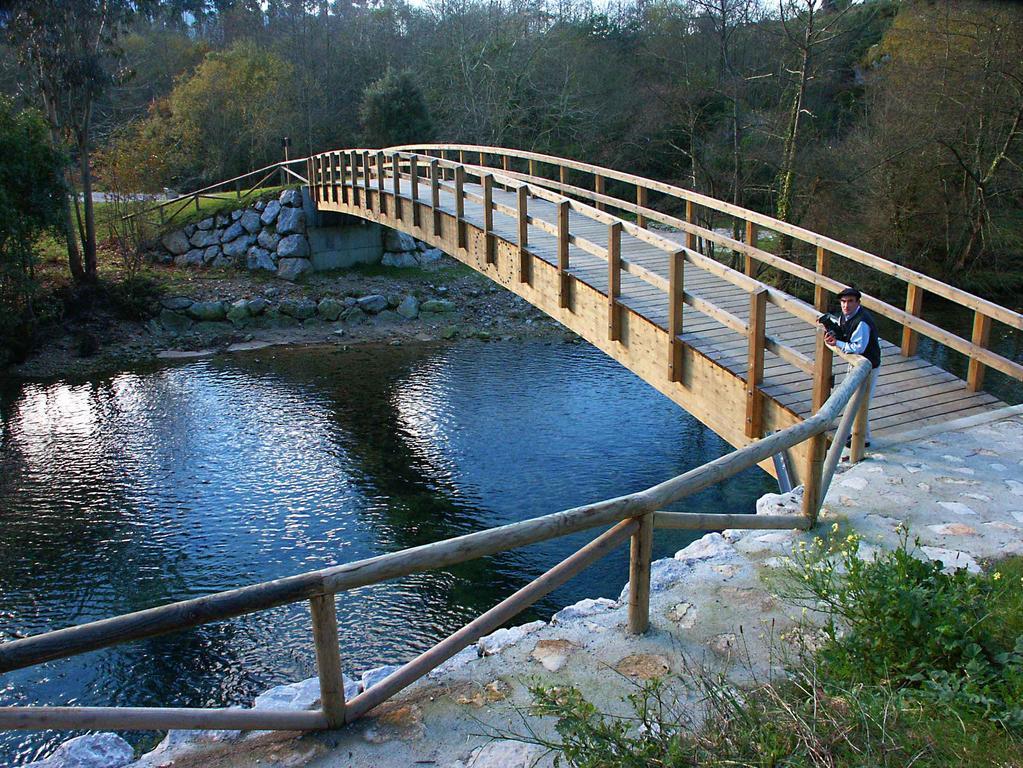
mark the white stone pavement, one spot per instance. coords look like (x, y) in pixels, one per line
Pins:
(958, 488)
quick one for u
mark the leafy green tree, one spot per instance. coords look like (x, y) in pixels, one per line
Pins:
(69, 50)
(393, 111)
(31, 202)
(229, 116)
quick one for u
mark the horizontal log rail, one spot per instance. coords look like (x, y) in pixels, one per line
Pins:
(632, 516)
(821, 278)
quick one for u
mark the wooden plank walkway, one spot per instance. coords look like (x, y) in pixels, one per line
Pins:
(910, 392)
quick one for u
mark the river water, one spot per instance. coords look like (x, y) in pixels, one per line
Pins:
(167, 482)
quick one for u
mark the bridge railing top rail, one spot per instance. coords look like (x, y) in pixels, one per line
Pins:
(820, 277)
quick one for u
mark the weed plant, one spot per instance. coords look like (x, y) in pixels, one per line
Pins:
(908, 666)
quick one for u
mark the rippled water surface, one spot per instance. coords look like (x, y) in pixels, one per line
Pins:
(164, 483)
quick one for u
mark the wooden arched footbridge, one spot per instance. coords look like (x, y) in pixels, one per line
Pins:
(626, 263)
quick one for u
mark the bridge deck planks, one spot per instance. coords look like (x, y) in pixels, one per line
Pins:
(909, 392)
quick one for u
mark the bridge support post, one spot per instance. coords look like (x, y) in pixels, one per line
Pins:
(690, 219)
(813, 472)
(981, 333)
(598, 187)
(522, 198)
(367, 177)
(641, 203)
(381, 184)
(640, 553)
(614, 280)
(460, 204)
(563, 276)
(676, 301)
(914, 304)
(328, 659)
(820, 295)
(435, 195)
(414, 177)
(755, 363)
(396, 184)
(490, 256)
(751, 241)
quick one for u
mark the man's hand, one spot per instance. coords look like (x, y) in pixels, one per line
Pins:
(829, 339)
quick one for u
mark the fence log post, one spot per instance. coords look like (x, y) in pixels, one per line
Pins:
(639, 575)
(755, 362)
(328, 659)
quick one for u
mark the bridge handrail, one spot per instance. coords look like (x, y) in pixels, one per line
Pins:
(401, 160)
(917, 282)
(193, 196)
(634, 515)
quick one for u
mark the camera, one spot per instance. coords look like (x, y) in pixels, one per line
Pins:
(831, 325)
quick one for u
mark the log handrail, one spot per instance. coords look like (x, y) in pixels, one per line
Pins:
(628, 514)
(917, 282)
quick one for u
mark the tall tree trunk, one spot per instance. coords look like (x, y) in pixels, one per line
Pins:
(89, 241)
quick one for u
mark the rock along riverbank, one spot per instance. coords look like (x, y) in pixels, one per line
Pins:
(956, 487)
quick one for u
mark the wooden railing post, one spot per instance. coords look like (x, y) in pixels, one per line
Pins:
(321, 185)
(414, 179)
(676, 301)
(755, 362)
(367, 168)
(690, 219)
(435, 195)
(310, 166)
(381, 184)
(506, 166)
(532, 167)
(396, 182)
(488, 218)
(823, 381)
(483, 159)
(522, 198)
(614, 280)
(563, 176)
(641, 202)
(751, 240)
(640, 553)
(328, 659)
(460, 204)
(342, 161)
(334, 191)
(981, 334)
(858, 438)
(598, 187)
(820, 295)
(563, 276)
(914, 305)
(356, 189)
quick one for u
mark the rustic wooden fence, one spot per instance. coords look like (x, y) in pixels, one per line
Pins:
(632, 517)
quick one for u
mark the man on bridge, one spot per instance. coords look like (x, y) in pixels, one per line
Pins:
(856, 334)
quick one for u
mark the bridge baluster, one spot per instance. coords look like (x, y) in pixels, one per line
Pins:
(676, 301)
(413, 169)
(381, 183)
(309, 166)
(755, 362)
(522, 198)
(342, 161)
(367, 168)
(690, 219)
(356, 196)
(396, 180)
(435, 195)
(563, 281)
(506, 166)
(563, 176)
(598, 187)
(460, 204)
(641, 203)
(488, 218)
(981, 332)
(820, 295)
(914, 305)
(614, 280)
(751, 241)
(333, 177)
(328, 659)
(813, 471)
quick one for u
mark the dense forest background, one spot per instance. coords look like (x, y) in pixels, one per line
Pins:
(893, 125)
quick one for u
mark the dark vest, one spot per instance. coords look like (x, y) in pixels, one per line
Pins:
(848, 327)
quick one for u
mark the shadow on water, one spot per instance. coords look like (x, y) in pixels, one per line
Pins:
(167, 482)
